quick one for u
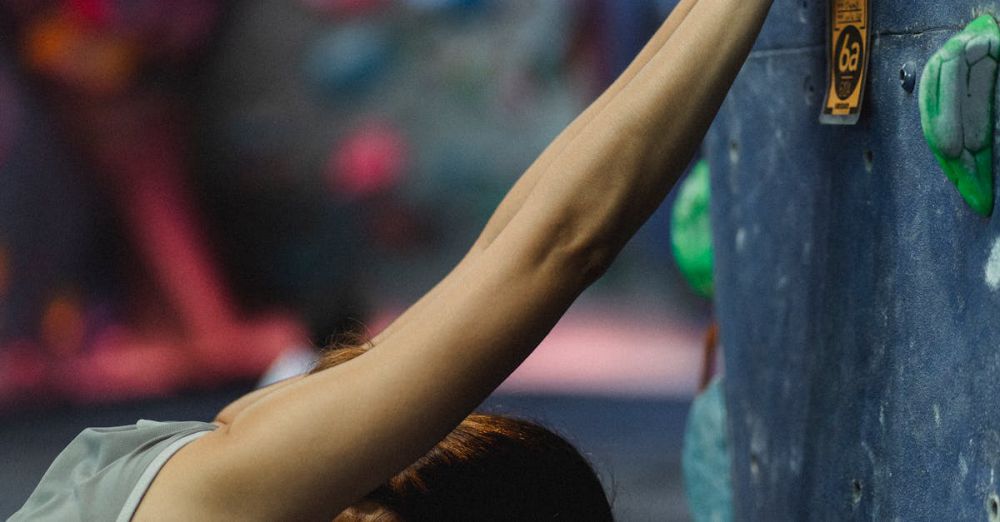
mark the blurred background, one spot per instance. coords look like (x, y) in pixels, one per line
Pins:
(196, 194)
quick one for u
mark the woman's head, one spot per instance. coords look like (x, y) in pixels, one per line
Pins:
(489, 468)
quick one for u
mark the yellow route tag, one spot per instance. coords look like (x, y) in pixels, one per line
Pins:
(848, 45)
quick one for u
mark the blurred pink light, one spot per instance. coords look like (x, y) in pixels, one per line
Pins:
(610, 352)
(370, 160)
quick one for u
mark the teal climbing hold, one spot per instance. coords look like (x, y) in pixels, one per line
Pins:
(691, 230)
(957, 109)
(705, 457)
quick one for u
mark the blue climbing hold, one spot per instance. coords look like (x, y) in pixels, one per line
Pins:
(705, 457)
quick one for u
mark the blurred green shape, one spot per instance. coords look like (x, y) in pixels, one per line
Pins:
(691, 230)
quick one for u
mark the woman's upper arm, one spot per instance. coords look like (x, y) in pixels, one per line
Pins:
(310, 449)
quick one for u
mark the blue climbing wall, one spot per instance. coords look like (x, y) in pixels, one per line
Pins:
(855, 292)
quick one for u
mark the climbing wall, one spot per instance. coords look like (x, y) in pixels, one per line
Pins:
(857, 292)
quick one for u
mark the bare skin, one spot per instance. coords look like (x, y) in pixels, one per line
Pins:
(307, 448)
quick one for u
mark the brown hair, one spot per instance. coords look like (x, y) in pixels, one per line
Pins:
(489, 468)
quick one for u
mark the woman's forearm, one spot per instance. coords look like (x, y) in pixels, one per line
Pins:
(516, 196)
(612, 175)
(512, 202)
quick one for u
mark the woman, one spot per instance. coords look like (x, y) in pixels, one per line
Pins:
(323, 446)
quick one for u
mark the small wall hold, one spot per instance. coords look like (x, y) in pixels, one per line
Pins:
(992, 268)
(691, 230)
(856, 491)
(809, 89)
(908, 76)
(957, 109)
(993, 507)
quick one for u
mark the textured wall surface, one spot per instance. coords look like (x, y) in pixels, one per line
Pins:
(856, 292)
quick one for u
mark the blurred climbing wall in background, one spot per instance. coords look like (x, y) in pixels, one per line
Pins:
(188, 189)
(855, 287)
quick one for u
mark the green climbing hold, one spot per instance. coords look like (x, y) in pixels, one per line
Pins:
(957, 109)
(691, 230)
(705, 457)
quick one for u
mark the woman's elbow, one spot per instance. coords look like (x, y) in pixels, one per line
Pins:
(586, 258)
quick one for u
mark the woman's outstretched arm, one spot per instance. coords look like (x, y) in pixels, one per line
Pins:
(310, 449)
(512, 202)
